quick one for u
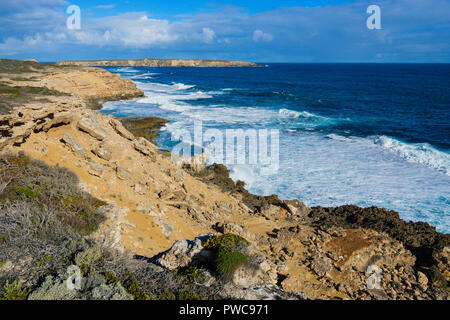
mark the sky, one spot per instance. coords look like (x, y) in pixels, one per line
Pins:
(258, 31)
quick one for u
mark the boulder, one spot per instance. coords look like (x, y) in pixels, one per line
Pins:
(101, 152)
(180, 254)
(320, 266)
(92, 127)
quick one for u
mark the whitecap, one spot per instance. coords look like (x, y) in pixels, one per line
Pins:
(421, 153)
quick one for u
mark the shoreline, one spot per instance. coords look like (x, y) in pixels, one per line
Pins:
(155, 203)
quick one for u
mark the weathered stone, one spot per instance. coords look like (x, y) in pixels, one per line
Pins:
(297, 207)
(144, 146)
(233, 228)
(320, 266)
(121, 173)
(95, 169)
(92, 127)
(102, 152)
(166, 228)
(180, 254)
(197, 215)
(119, 128)
(129, 224)
(74, 145)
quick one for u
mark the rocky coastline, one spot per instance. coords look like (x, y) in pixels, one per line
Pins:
(155, 227)
(158, 63)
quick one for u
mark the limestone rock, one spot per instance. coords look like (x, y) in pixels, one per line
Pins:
(101, 152)
(297, 207)
(320, 266)
(74, 145)
(180, 254)
(119, 128)
(95, 169)
(121, 173)
(144, 146)
(92, 127)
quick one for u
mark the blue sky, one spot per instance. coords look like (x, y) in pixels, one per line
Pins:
(261, 31)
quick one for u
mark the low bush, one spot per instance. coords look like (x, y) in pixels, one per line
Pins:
(229, 260)
(13, 291)
(226, 240)
(190, 274)
(229, 256)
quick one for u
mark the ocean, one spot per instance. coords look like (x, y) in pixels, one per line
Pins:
(364, 134)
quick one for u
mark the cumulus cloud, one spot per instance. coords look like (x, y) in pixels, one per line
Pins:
(413, 30)
(208, 35)
(258, 35)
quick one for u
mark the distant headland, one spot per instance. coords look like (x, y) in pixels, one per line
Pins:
(159, 63)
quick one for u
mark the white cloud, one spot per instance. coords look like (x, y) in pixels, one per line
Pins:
(208, 35)
(105, 6)
(259, 35)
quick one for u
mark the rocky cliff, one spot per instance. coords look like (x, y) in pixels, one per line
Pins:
(159, 63)
(178, 225)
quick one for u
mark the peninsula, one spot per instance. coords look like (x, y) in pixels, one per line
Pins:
(159, 63)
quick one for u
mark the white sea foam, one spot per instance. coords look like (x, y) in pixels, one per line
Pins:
(127, 70)
(331, 172)
(297, 114)
(143, 76)
(337, 137)
(421, 153)
(182, 86)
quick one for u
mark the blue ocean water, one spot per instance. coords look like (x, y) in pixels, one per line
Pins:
(365, 134)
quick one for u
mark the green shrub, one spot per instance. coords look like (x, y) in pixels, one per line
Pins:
(87, 259)
(229, 256)
(190, 274)
(47, 257)
(225, 240)
(166, 295)
(14, 291)
(228, 260)
(137, 293)
(44, 216)
(181, 295)
(27, 193)
(110, 278)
